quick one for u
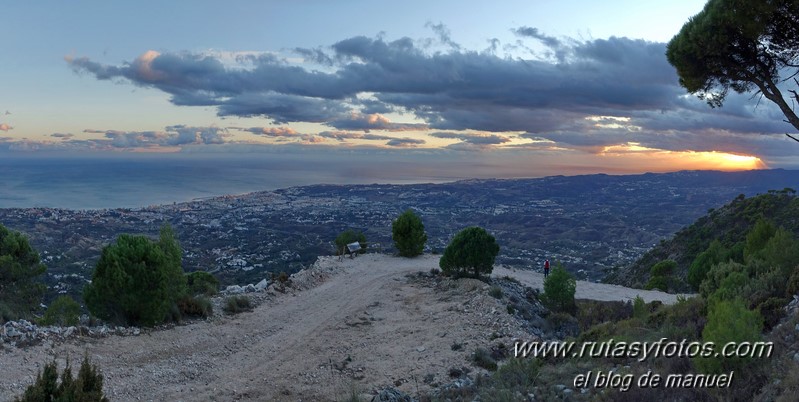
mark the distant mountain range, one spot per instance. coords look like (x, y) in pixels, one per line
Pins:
(589, 223)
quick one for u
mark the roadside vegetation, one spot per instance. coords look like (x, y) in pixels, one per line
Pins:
(744, 283)
(471, 253)
(408, 234)
(87, 386)
(21, 273)
(138, 281)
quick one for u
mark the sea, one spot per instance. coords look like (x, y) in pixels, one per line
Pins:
(132, 181)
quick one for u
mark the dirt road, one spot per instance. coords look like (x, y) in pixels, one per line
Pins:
(591, 290)
(361, 324)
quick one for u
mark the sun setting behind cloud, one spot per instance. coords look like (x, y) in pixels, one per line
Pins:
(691, 160)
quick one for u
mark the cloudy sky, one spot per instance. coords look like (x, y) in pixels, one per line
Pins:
(527, 87)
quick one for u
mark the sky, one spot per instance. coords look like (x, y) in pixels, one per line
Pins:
(516, 88)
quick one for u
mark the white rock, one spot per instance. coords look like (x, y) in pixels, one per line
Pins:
(234, 289)
(262, 284)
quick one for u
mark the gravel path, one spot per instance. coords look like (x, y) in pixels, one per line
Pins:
(355, 324)
(591, 290)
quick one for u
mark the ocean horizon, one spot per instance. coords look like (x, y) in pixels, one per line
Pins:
(136, 181)
(142, 180)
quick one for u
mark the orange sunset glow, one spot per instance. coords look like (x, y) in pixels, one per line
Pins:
(692, 160)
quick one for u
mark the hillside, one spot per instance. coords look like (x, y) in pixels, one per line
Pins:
(361, 323)
(729, 224)
(590, 223)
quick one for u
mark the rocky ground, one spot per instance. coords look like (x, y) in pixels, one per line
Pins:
(359, 325)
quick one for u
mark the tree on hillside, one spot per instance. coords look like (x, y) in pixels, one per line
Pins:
(559, 289)
(758, 237)
(408, 234)
(741, 45)
(701, 265)
(20, 269)
(470, 253)
(137, 281)
(660, 275)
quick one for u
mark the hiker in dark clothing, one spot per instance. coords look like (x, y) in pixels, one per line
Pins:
(546, 268)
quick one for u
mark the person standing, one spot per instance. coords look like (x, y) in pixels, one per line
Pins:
(546, 268)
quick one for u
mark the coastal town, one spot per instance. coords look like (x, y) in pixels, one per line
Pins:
(588, 223)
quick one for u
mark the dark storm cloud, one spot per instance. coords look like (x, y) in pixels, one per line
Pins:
(405, 142)
(171, 136)
(549, 41)
(315, 55)
(475, 139)
(375, 121)
(674, 140)
(369, 106)
(346, 135)
(456, 89)
(272, 131)
(195, 135)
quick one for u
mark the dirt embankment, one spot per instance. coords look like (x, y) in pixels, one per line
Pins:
(357, 323)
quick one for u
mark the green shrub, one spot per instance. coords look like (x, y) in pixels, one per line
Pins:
(660, 275)
(781, 251)
(730, 288)
(593, 312)
(137, 281)
(769, 284)
(758, 237)
(63, 311)
(495, 292)
(237, 304)
(703, 262)
(195, 306)
(683, 320)
(408, 234)
(639, 308)
(657, 283)
(6, 314)
(729, 321)
(350, 236)
(202, 283)
(663, 268)
(470, 253)
(516, 377)
(21, 289)
(716, 274)
(792, 287)
(482, 358)
(282, 278)
(559, 289)
(564, 322)
(88, 386)
(772, 310)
